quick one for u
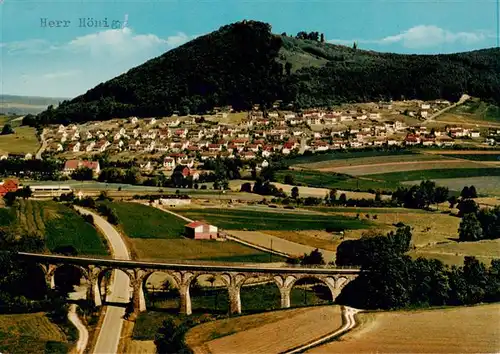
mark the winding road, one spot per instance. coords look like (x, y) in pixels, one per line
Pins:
(109, 334)
(83, 333)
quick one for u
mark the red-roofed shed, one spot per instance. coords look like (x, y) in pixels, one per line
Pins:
(199, 230)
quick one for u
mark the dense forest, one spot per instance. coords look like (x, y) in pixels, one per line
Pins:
(244, 63)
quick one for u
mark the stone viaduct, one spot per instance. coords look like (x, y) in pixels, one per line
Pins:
(93, 269)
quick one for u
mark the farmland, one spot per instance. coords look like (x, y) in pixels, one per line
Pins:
(201, 250)
(332, 165)
(58, 225)
(489, 185)
(437, 173)
(478, 157)
(449, 330)
(250, 334)
(335, 180)
(31, 333)
(142, 221)
(343, 155)
(454, 252)
(232, 219)
(156, 235)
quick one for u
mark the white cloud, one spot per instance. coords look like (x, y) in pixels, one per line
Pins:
(179, 39)
(423, 36)
(433, 36)
(30, 46)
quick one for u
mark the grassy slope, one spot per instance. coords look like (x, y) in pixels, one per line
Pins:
(59, 225)
(157, 235)
(476, 110)
(257, 220)
(338, 181)
(30, 333)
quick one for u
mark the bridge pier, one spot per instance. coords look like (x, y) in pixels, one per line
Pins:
(138, 299)
(285, 297)
(93, 293)
(234, 299)
(185, 299)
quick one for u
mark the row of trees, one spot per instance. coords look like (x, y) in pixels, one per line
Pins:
(395, 280)
(421, 196)
(47, 169)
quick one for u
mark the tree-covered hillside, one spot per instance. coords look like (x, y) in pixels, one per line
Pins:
(244, 63)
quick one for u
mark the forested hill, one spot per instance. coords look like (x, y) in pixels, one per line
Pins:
(244, 63)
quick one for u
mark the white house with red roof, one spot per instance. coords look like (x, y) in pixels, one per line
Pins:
(199, 230)
(71, 165)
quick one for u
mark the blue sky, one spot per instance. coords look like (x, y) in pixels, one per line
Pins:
(67, 61)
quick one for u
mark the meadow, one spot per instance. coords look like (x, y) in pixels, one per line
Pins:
(435, 174)
(336, 180)
(448, 330)
(142, 221)
(58, 225)
(477, 157)
(485, 185)
(232, 219)
(31, 333)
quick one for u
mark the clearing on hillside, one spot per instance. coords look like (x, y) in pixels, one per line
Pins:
(473, 110)
(450, 330)
(31, 333)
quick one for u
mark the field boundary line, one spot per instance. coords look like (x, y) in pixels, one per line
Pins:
(349, 320)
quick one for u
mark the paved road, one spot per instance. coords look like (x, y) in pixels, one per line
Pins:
(109, 335)
(437, 114)
(83, 333)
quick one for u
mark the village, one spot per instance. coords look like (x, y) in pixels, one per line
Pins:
(189, 141)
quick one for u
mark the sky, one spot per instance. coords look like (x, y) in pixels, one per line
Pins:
(66, 61)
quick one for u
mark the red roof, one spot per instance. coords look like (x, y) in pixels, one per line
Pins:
(74, 164)
(195, 224)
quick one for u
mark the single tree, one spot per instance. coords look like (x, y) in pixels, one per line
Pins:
(472, 192)
(453, 200)
(355, 45)
(7, 129)
(295, 192)
(342, 198)
(289, 179)
(467, 206)
(465, 193)
(470, 228)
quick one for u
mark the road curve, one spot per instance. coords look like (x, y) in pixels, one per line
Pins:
(38, 155)
(83, 333)
(109, 335)
(350, 321)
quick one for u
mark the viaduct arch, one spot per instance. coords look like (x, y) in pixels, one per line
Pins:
(233, 277)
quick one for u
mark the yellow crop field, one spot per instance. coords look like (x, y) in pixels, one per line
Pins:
(451, 330)
(271, 332)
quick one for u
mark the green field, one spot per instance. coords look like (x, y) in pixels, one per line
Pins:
(31, 333)
(159, 250)
(343, 154)
(156, 235)
(231, 219)
(335, 180)
(476, 157)
(394, 177)
(58, 224)
(142, 221)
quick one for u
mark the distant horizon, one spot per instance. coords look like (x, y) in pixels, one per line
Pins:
(42, 61)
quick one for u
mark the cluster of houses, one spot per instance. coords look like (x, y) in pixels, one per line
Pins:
(189, 141)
